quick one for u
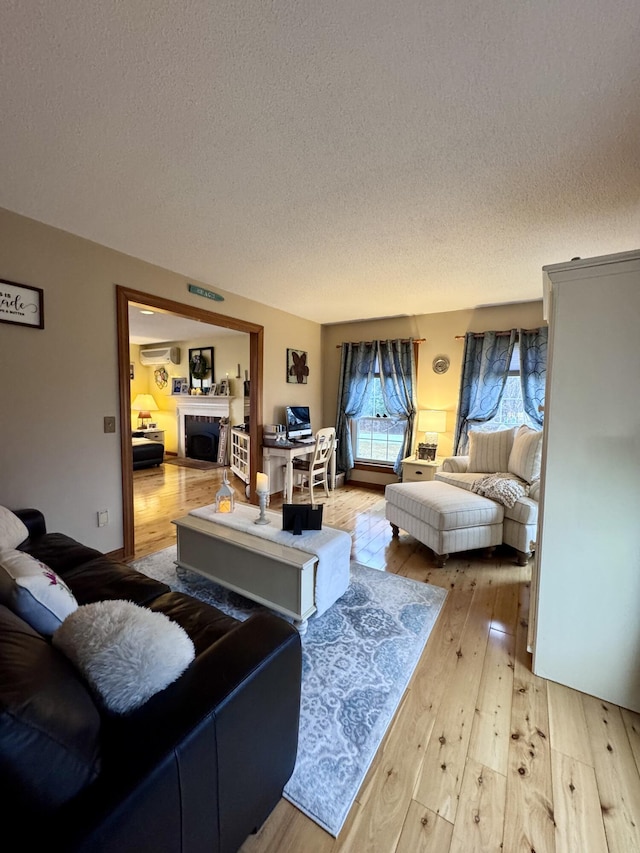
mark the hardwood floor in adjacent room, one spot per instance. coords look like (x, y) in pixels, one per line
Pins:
(482, 755)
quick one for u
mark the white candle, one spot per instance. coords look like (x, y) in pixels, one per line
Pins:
(262, 483)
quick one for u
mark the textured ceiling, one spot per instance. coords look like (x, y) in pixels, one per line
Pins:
(338, 160)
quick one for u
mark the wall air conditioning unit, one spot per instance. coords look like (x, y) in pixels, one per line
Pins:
(160, 355)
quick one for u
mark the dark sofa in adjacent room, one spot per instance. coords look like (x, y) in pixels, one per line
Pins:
(194, 769)
(146, 453)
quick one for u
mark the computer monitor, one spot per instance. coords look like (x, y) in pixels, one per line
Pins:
(298, 422)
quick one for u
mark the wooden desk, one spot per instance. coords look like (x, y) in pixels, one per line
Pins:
(273, 453)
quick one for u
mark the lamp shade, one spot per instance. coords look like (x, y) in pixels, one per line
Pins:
(144, 403)
(430, 420)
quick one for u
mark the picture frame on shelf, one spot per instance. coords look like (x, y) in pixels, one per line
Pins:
(223, 388)
(426, 452)
(214, 389)
(179, 385)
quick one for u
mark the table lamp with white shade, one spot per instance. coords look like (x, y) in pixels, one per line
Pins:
(431, 422)
(144, 404)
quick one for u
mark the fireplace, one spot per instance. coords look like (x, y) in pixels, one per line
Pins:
(206, 412)
(202, 433)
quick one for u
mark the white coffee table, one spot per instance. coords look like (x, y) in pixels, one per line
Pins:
(294, 575)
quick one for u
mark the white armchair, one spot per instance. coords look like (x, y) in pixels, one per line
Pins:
(456, 464)
(513, 453)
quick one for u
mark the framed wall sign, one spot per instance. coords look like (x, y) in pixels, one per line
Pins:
(21, 304)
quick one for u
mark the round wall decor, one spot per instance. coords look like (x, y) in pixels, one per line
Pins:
(440, 364)
(161, 377)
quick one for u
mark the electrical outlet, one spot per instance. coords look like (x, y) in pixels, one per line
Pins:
(103, 517)
(109, 424)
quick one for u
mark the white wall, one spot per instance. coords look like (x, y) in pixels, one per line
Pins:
(588, 626)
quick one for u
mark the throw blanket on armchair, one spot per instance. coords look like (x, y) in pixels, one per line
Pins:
(504, 488)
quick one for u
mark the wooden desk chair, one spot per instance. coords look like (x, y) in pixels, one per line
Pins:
(316, 469)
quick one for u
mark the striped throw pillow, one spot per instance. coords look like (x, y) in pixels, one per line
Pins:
(489, 451)
(13, 530)
(526, 454)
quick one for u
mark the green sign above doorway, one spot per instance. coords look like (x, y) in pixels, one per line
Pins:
(208, 294)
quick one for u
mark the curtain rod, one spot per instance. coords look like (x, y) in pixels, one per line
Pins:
(498, 334)
(402, 341)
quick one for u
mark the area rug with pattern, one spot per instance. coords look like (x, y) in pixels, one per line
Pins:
(358, 658)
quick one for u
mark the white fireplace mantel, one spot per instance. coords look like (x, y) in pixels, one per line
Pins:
(213, 407)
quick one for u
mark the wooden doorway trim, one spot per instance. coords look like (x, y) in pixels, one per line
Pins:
(124, 296)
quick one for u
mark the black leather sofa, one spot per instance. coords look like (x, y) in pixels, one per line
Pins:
(195, 769)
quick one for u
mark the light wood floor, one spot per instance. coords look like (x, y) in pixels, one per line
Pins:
(482, 755)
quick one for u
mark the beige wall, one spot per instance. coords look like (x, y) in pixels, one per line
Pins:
(59, 382)
(434, 391)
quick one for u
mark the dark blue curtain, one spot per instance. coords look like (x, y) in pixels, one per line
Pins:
(397, 368)
(533, 371)
(357, 364)
(485, 368)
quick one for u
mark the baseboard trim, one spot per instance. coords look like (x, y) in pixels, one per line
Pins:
(375, 487)
(373, 469)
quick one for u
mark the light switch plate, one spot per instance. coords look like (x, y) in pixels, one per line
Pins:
(109, 424)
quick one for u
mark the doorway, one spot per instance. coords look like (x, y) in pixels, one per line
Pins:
(124, 296)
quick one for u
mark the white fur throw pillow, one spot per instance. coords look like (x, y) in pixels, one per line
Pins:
(489, 451)
(34, 591)
(126, 652)
(13, 530)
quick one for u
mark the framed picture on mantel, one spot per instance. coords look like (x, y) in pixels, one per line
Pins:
(179, 385)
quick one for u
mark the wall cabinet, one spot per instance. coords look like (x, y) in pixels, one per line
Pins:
(586, 575)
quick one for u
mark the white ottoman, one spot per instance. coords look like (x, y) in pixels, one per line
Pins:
(443, 517)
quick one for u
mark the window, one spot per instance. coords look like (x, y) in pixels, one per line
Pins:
(511, 411)
(376, 435)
